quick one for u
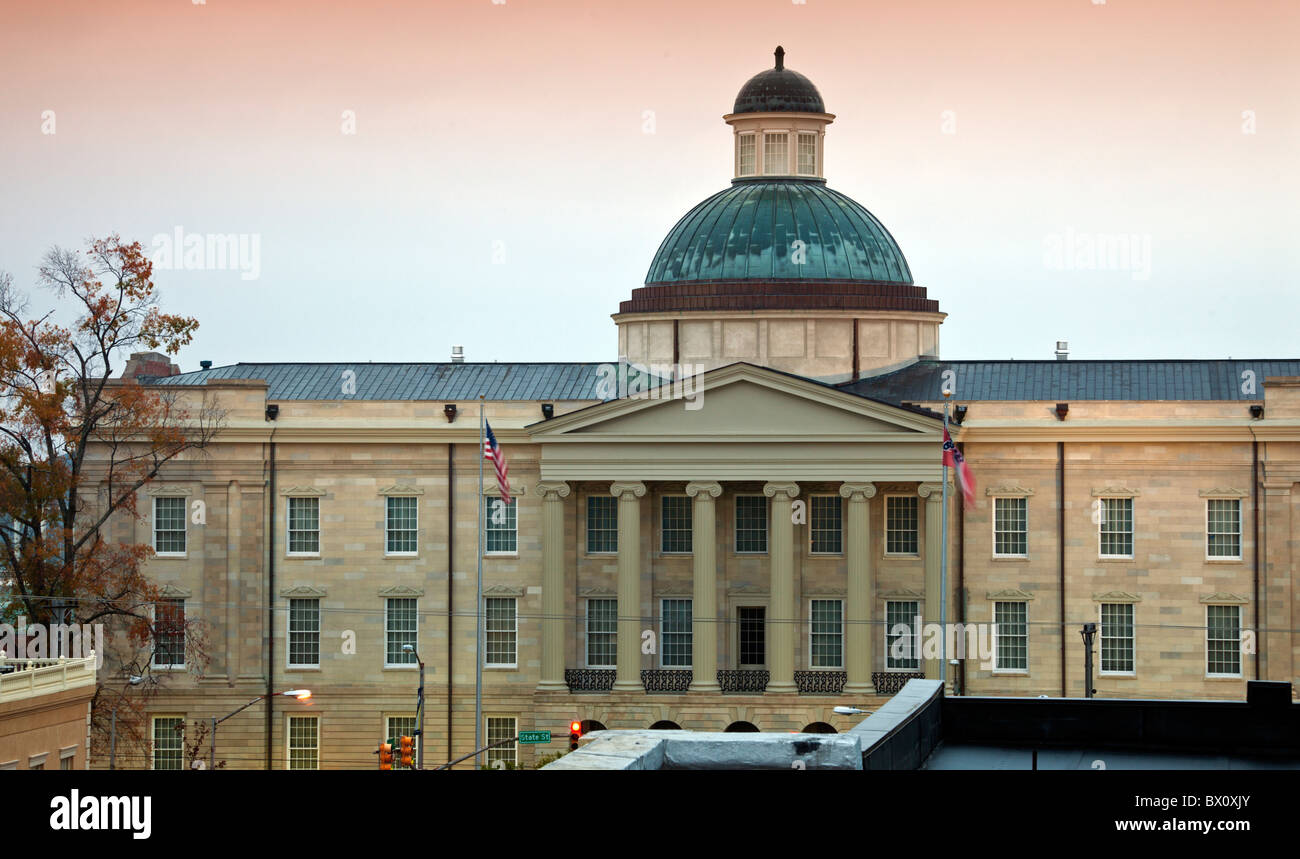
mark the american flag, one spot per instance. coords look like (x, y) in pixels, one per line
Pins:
(953, 459)
(492, 451)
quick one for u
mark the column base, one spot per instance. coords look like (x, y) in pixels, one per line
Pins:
(859, 688)
(552, 686)
(781, 688)
(628, 686)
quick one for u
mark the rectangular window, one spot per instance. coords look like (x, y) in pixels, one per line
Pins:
(602, 633)
(827, 633)
(1116, 528)
(501, 526)
(1012, 619)
(65, 763)
(168, 752)
(498, 729)
(752, 621)
(169, 526)
(502, 632)
(397, 727)
(745, 154)
(676, 524)
(304, 526)
(401, 524)
(1011, 527)
(826, 525)
(1117, 652)
(169, 633)
(602, 524)
(776, 155)
(1223, 528)
(1223, 640)
(304, 743)
(902, 644)
(676, 637)
(400, 623)
(900, 524)
(751, 523)
(808, 154)
(304, 633)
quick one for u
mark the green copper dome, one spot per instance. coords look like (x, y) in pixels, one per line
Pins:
(750, 230)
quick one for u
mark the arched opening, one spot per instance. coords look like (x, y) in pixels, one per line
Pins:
(665, 725)
(589, 725)
(741, 727)
(819, 728)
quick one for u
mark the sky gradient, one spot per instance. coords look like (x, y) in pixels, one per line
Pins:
(505, 186)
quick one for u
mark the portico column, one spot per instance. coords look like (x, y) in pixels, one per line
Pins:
(553, 589)
(785, 618)
(858, 633)
(704, 626)
(933, 495)
(629, 497)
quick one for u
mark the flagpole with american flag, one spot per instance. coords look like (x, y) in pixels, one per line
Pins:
(488, 449)
(966, 483)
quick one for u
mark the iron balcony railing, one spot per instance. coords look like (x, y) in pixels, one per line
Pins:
(747, 680)
(892, 682)
(666, 679)
(820, 682)
(590, 679)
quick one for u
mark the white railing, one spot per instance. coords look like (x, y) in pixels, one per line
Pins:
(23, 678)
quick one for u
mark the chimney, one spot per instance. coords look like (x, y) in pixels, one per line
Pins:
(458, 354)
(149, 365)
(207, 365)
(1062, 350)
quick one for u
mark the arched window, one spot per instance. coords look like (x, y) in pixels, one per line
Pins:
(741, 728)
(818, 728)
(589, 725)
(665, 725)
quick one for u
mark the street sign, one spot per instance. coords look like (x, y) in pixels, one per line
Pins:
(526, 737)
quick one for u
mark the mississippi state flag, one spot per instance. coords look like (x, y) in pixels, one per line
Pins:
(492, 451)
(953, 459)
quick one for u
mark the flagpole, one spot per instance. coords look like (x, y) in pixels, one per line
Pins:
(478, 602)
(943, 560)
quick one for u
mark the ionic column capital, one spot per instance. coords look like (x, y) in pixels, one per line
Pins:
(931, 492)
(853, 491)
(699, 488)
(635, 489)
(549, 491)
(789, 491)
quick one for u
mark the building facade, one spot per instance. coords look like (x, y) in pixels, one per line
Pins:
(735, 526)
(45, 713)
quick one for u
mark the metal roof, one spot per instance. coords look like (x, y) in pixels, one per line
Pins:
(1062, 381)
(450, 382)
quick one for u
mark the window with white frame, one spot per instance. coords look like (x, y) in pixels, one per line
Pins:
(1010, 527)
(396, 727)
(826, 633)
(602, 633)
(675, 524)
(1223, 640)
(1117, 649)
(902, 642)
(807, 154)
(901, 524)
(1116, 528)
(1223, 528)
(1012, 619)
(401, 621)
(826, 525)
(169, 633)
(498, 730)
(602, 524)
(303, 736)
(169, 525)
(502, 632)
(500, 525)
(401, 525)
(676, 636)
(304, 525)
(776, 153)
(304, 633)
(745, 146)
(168, 737)
(751, 524)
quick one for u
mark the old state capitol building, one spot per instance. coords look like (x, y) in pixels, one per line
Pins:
(766, 543)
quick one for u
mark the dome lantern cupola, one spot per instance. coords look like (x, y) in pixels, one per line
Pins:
(779, 123)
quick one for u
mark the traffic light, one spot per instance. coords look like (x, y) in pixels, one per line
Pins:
(407, 747)
(385, 756)
(575, 733)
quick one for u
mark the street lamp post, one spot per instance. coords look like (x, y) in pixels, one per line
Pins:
(133, 680)
(1088, 632)
(300, 694)
(419, 708)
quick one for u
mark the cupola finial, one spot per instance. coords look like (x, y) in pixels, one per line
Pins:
(780, 57)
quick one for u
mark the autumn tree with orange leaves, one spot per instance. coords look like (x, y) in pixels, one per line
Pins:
(77, 444)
